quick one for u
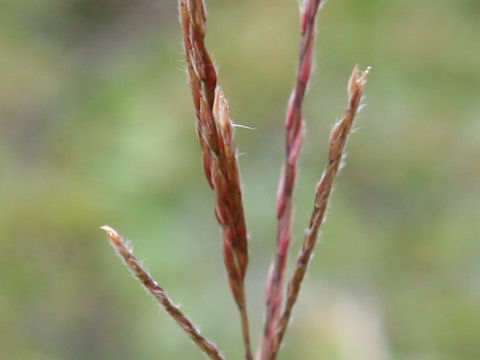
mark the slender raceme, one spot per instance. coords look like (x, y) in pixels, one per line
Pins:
(160, 295)
(294, 138)
(215, 132)
(337, 142)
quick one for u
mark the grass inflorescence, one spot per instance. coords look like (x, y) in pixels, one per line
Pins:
(220, 163)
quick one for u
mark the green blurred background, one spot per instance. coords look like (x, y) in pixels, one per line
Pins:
(97, 126)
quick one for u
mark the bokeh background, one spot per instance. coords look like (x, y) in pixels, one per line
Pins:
(97, 126)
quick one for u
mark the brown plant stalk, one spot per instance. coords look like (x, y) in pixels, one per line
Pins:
(220, 162)
(337, 142)
(160, 295)
(295, 124)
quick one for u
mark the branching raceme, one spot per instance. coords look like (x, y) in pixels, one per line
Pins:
(216, 136)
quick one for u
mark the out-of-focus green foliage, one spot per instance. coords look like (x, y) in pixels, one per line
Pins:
(97, 126)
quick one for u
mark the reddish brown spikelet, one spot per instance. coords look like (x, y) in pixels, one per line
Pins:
(160, 295)
(220, 162)
(294, 137)
(227, 185)
(337, 142)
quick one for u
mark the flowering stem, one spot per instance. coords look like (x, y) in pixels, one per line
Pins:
(220, 161)
(337, 142)
(294, 136)
(160, 295)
